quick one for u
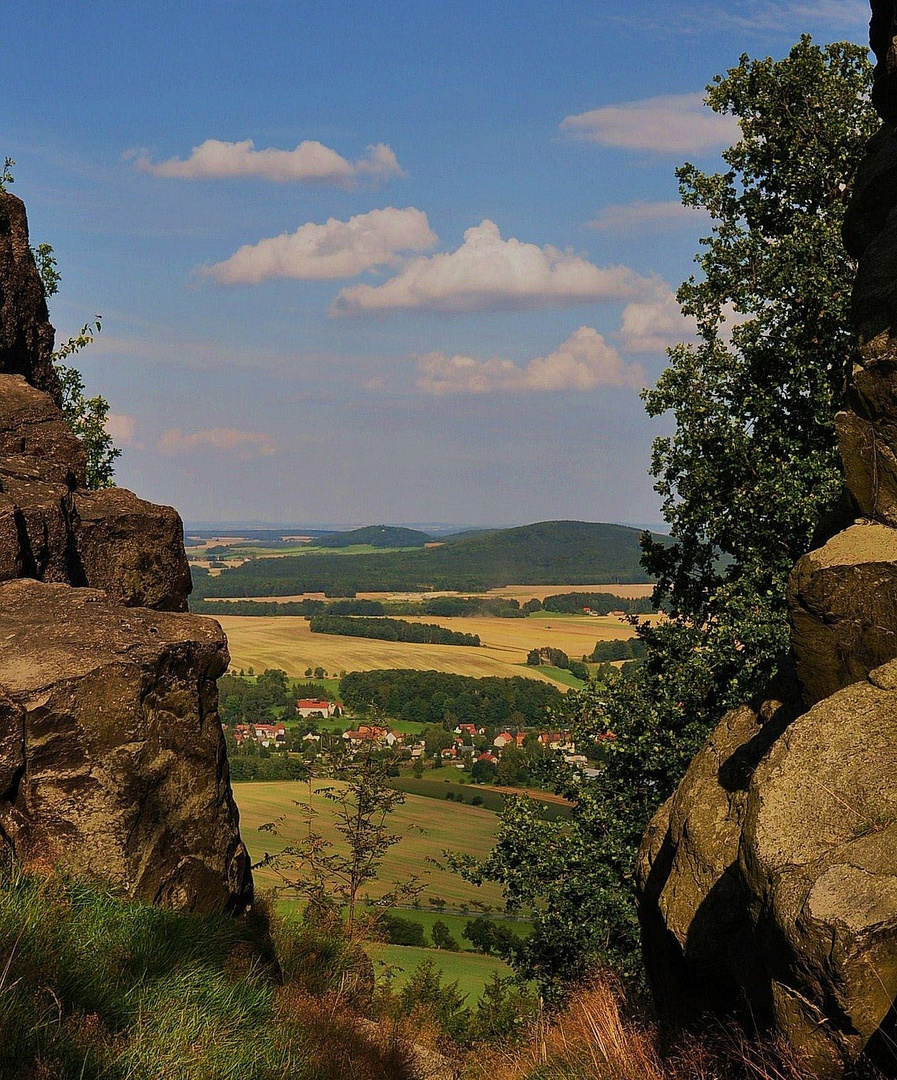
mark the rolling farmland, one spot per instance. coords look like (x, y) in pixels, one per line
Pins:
(426, 825)
(288, 643)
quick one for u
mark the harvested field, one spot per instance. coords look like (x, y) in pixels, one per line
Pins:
(286, 642)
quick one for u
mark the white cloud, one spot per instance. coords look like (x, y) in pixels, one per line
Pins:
(584, 361)
(647, 215)
(652, 326)
(674, 124)
(122, 428)
(336, 249)
(244, 444)
(776, 14)
(487, 273)
(310, 162)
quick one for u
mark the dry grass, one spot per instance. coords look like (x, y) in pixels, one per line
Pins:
(286, 642)
(595, 1039)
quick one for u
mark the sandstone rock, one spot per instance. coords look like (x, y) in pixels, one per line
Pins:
(52, 530)
(882, 38)
(26, 336)
(35, 439)
(112, 758)
(768, 883)
(131, 548)
(843, 609)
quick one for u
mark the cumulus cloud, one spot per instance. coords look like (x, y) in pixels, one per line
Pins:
(122, 428)
(652, 326)
(487, 273)
(673, 124)
(647, 215)
(310, 162)
(242, 444)
(584, 361)
(336, 249)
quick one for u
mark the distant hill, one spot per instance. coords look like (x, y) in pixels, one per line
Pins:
(379, 536)
(547, 553)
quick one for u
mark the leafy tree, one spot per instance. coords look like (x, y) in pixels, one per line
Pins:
(505, 1013)
(749, 473)
(399, 931)
(442, 937)
(315, 866)
(752, 467)
(85, 416)
(425, 996)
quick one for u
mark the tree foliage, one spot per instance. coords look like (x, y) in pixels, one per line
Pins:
(86, 416)
(748, 474)
(752, 467)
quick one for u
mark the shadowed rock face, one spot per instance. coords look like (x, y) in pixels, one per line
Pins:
(26, 336)
(112, 757)
(768, 882)
(54, 530)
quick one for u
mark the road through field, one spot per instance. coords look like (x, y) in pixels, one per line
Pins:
(286, 642)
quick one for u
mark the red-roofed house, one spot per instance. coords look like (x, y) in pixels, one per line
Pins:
(307, 706)
(503, 740)
(488, 757)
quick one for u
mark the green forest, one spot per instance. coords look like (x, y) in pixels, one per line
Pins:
(551, 552)
(390, 630)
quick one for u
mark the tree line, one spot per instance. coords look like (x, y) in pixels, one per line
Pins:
(435, 697)
(390, 630)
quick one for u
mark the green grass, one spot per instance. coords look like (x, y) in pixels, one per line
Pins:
(98, 988)
(427, 828)
(330, 685)
(430, 787)
(456, 923)
(405, 727)
(561, 675)
(472, 971)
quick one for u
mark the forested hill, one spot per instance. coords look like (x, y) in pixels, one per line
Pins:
(547, 553)
(379, 536)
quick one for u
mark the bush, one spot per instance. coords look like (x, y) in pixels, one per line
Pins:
(399, 931)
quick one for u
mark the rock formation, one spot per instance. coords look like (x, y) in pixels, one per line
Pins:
(768, 883)
(112, 757)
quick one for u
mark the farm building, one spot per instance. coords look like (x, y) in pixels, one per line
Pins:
(310, 706)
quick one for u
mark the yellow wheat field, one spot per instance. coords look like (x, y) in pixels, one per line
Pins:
(286, 642)
(506, 592)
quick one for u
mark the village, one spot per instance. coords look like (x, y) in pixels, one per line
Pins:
(475, 749)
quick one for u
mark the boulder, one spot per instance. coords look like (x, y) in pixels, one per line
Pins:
(131, 548)
(54, 530)
(26, 336)
(843, 609)
(883, 39)
(768, 883)
(112, 757)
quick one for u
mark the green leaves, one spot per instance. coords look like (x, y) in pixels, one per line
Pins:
(85, 416)
(747, 475)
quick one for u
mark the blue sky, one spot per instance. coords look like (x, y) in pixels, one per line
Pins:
(364, 262)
